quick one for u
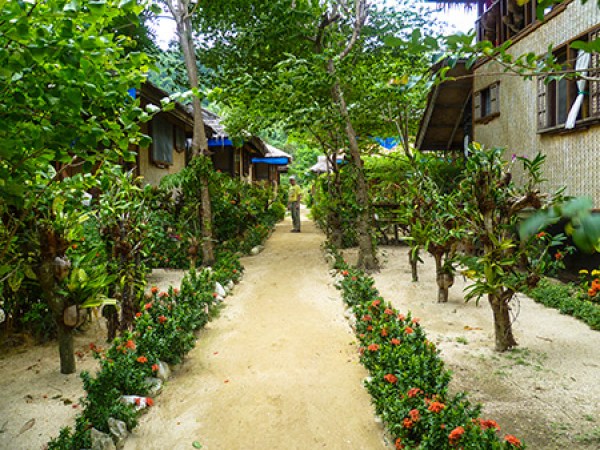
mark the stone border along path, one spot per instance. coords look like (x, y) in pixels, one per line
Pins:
(277, 370)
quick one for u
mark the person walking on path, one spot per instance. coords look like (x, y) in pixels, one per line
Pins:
(294, 197)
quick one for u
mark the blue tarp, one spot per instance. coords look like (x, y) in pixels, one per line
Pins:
(220, 143)
(272, 161)
(387, 143)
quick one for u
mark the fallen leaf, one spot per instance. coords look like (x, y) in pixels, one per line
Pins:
(226, 381)
(467, 327)
(215, 353)
(28, 425)
(67, 401)
(196, 444)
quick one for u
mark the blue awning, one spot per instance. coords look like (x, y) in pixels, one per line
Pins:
(223, 142)
(272, 161)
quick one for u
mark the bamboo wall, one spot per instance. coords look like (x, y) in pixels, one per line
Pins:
(572, 159)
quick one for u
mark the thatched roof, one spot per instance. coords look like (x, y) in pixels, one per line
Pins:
(213, 121)
(274, 152)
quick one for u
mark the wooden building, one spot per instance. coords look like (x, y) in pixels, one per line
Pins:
(559, 118)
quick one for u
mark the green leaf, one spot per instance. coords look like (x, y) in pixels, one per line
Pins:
(196, 444)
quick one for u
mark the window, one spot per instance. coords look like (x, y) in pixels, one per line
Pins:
(556, 98)
(162, 141)
(486, 103)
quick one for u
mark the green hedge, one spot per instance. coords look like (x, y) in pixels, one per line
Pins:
(408, 380)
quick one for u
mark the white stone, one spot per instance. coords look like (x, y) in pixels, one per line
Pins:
(118, 429)
(164, 371)
(101, 441)
(230, 285)
(220, 290)
(155, 386)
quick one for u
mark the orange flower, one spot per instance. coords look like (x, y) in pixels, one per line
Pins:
(398, 444)
(142, 359)
(486, 424)
(376, 303)
(138, 401)
(401, 317)
(413, 392)
(164, 294)
(540, 235)
(175, 291)
(388, 311)
(215, 295)
(390, 378)
(162, 319)
(234, 270)
(138, 315)
(512, 440)
(407, 423)
(367, 318)
(455, 435)
(370, 328)
(147, 306)
(354, 278)
(591, 292)
(436, 407)
(130, 344)
(154, 367)
(558, 256)
(345, 273)
(149, 401)
(408, 330)
(416, 320)
(74, 246)
(154, 289)
(384, 332)
(414, 415)
(373, 347)
(395, 341)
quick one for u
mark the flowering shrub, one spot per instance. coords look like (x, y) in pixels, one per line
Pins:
(408, 381)
(164, 330)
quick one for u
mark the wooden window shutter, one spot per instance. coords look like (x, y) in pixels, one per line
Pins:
(162, 141)
(594, 86)
(477, 105)
(494, 98)
(542, 106)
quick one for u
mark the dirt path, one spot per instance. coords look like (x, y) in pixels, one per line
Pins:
(546, 391)
(277, 370)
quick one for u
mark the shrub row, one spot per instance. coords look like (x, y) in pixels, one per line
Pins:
(164, 331)
(567, 299)
(408, 381)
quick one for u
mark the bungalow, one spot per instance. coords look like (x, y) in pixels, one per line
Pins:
(559, 118)
(270, 166)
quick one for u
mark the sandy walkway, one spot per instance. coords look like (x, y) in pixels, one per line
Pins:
(278, 369)
(546, 391)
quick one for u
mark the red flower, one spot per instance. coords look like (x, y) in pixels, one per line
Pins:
(436, 407)
(215, 295)
(407, 423)
(455, 435)
(414, 415)
(398, 444)
(354, 278)
(384, 332)
(149, 401)
(147, 306)
(408, 330)
(401, 317)
(162, 319)
(154, 367)
(486, 424)
(370, 328)
(512, 440)
(413, 392)
(234, 270)
(558, 256)
(367, 318)
(388, 311)
(130, 344)
(390, 378)
(373, 347)
(154, 289)
(416, 320)
(376, 303)
(345, 273)
(175, 291)
(164, 294)
(395, 341)
(142, 359)
(138, 401)
(361, 335)
(138, 315)
(540, 235)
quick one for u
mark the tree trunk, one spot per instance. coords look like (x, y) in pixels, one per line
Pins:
(65, 346)
(367, 259)
(444, 279)
(179, 10)
(334, 220)
(53, 269)
(502, 324)
(413, 260)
